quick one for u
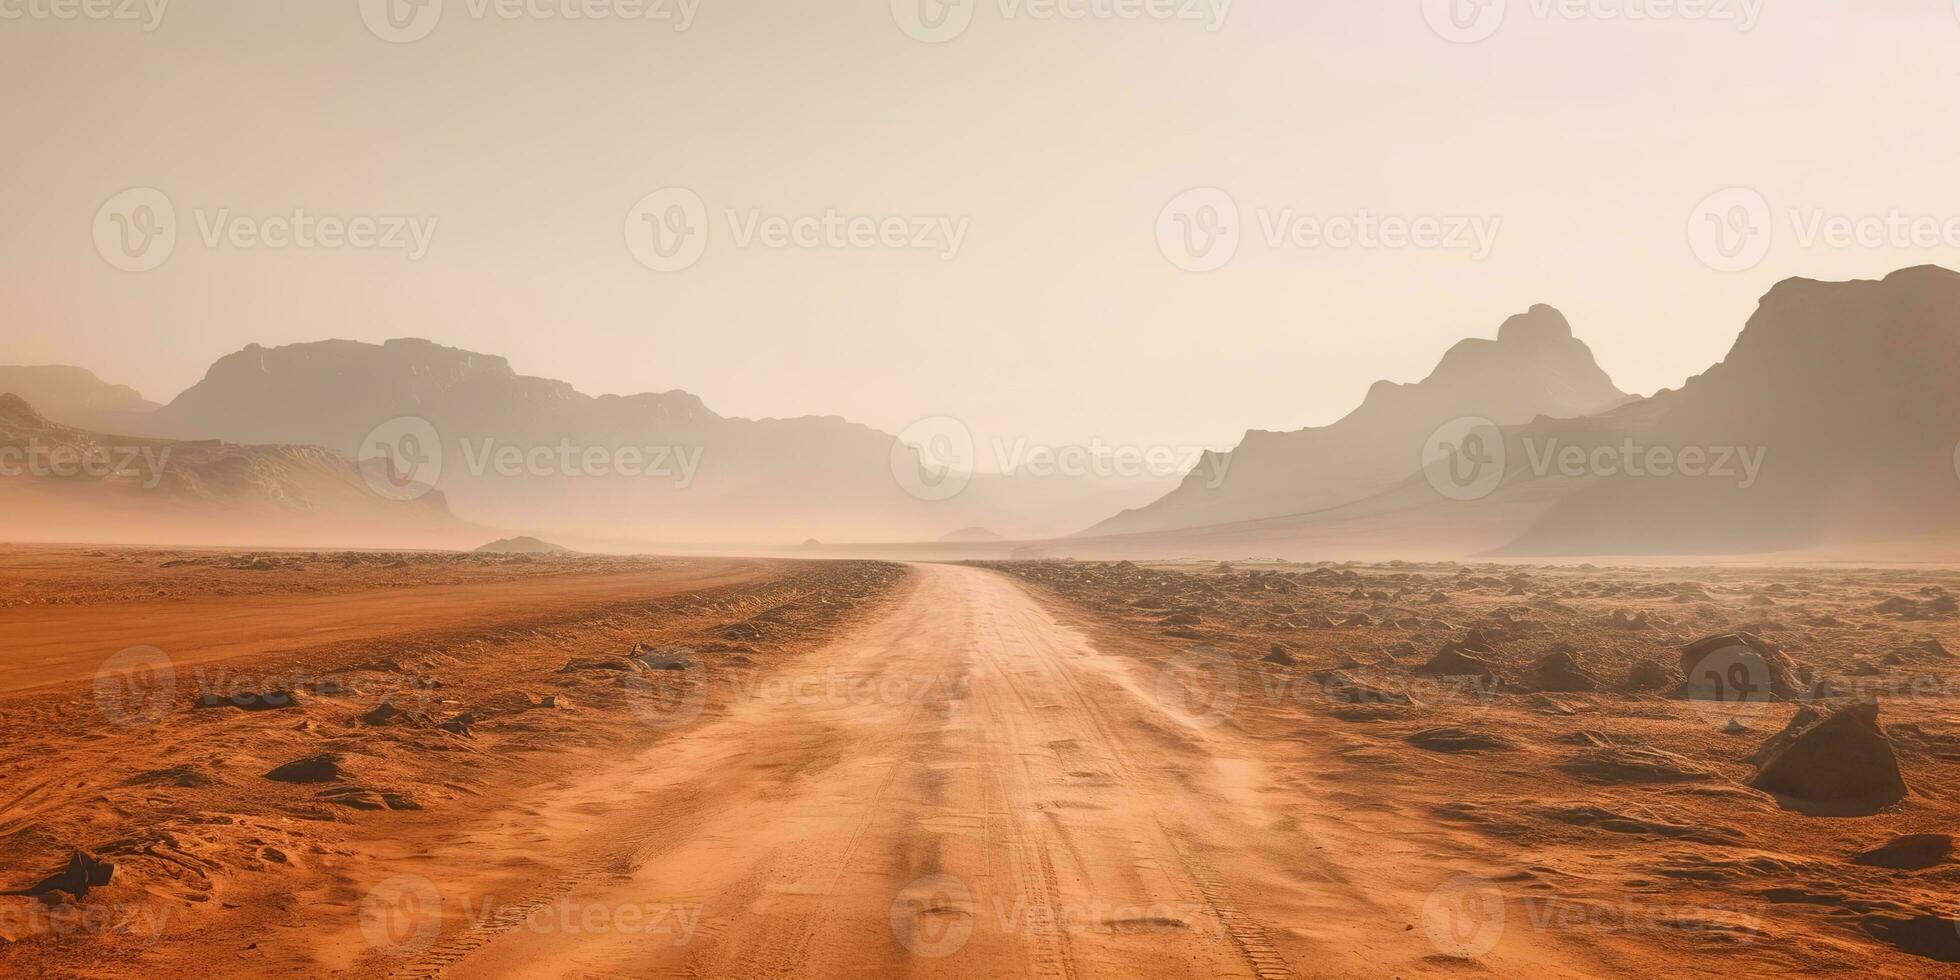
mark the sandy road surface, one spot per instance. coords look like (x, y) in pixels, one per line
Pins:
(963, 788)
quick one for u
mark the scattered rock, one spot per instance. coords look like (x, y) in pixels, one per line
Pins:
(659, 658)
(581, 665)
(251, 701)
(1838, 762)
(1451, 661)
(187, 776)
(387, 714)
(1911, 853)
(1737, 667)
(362, 798)
(324, 768)
(1558, 672)
(1935, 937)
(83, 873)
(1860, 667)
(1278, 655)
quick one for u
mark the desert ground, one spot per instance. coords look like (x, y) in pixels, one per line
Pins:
(376, 764)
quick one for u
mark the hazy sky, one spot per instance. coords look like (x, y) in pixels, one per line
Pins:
(1053, 144)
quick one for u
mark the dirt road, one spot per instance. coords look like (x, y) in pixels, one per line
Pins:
(963, 788)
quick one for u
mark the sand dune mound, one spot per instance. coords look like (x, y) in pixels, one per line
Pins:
(1833, 762)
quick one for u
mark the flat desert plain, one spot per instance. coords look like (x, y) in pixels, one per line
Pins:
(374, 764)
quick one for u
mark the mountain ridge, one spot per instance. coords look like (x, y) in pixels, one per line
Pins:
(1273, 473)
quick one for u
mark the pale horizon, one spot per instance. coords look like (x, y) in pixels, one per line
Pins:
(1591, 142)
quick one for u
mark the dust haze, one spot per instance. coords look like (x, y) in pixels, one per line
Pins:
(931, 488)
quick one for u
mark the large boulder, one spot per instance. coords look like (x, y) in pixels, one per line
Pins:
(1829, 762)
(1738, 667)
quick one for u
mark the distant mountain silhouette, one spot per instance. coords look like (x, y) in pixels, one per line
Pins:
(1847, 393)
(62, 483)
(1535, 367)
(719, 479)
(1850, 392)
(73, 396)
